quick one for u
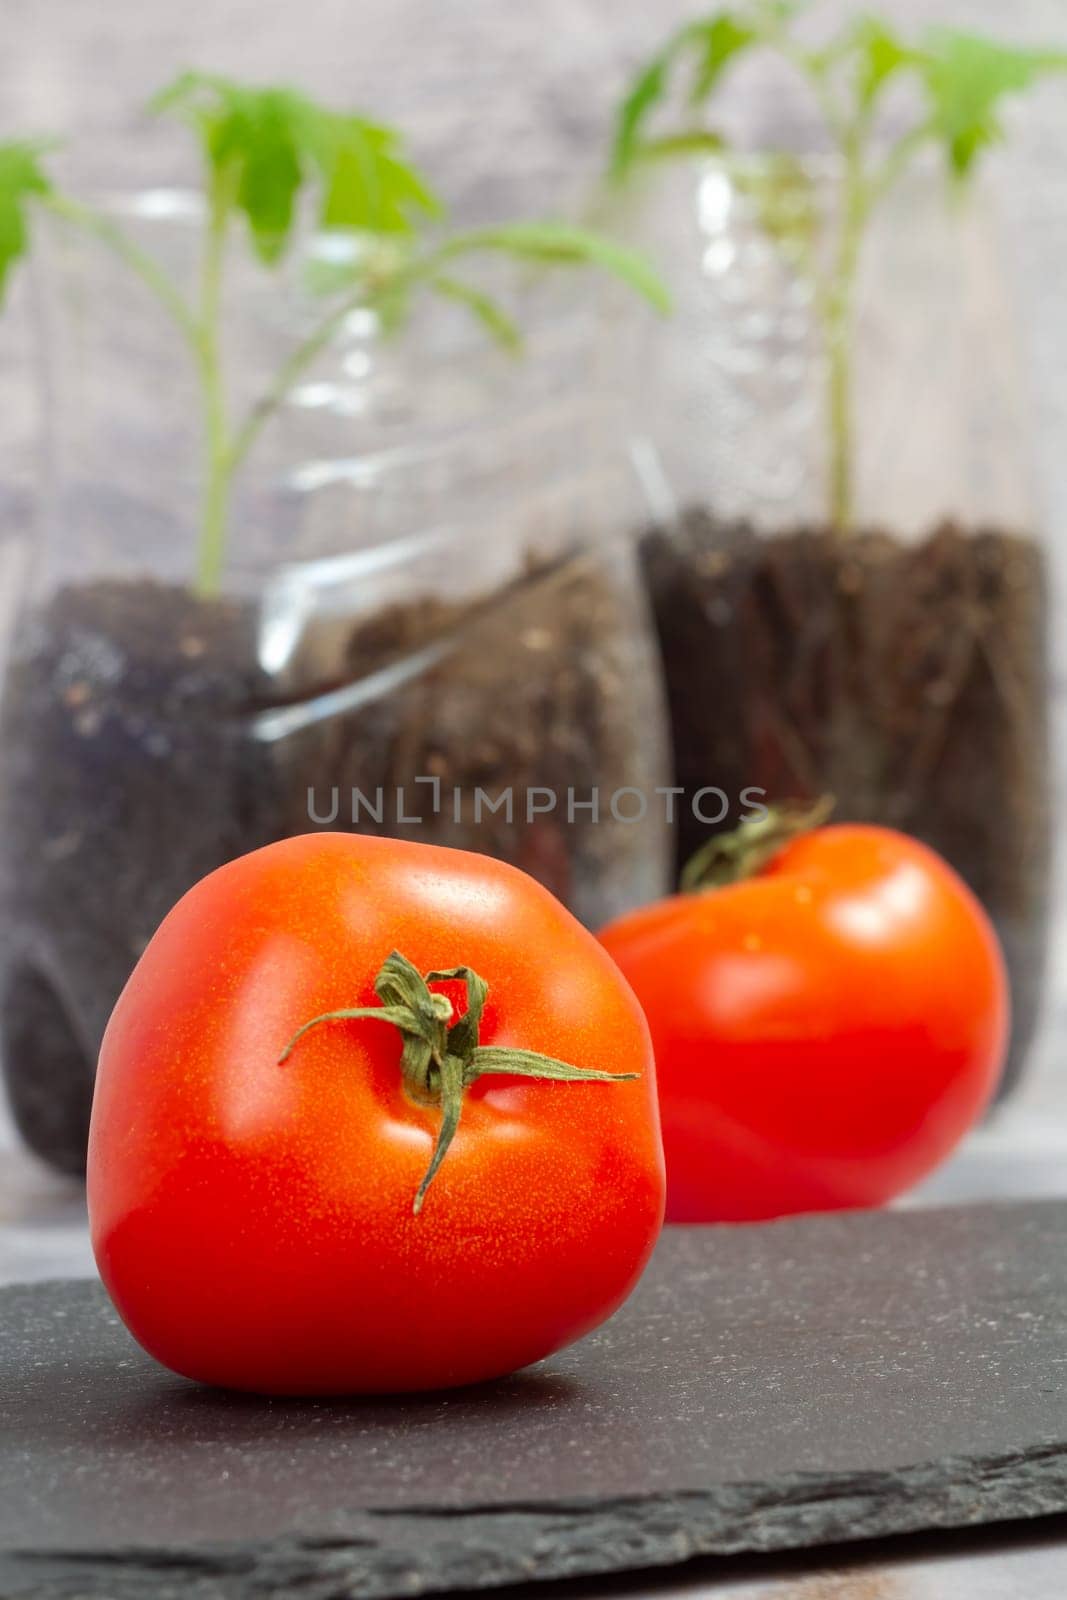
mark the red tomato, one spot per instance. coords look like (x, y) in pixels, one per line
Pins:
(824, 1032)
(253, 1219)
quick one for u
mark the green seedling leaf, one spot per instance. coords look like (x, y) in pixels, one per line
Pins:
(387, 276)
(690, 142)
(262, 145)
(21, 179)
(880, 55)
(560, 243)
(647, 91)
(718, 41)
(250, 143)
(966, 77)
(254, 140)
(492, 317)
(777, 13)
(711, 44)
(367, 182)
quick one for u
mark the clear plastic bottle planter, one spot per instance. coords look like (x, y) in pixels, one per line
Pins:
(901, 665)
(431, 625)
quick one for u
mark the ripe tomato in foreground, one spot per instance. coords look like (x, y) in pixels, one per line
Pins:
(274, 1224)
(825, 1031)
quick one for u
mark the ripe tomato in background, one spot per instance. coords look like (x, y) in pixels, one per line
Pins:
(825, 1031)
(253, 1219)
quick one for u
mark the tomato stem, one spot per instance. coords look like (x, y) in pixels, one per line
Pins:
(441, 1058)
(731, 857)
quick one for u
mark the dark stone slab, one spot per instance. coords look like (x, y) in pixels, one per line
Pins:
(767, 1388)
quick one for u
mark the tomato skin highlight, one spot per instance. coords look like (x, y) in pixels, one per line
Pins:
(825, 1031)
(253, 1221)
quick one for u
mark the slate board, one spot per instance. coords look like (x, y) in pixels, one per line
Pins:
(766, 1388)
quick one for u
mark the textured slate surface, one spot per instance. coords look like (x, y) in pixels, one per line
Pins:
(766, 1388)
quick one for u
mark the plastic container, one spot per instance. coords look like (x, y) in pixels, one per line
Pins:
(431, 625)
(900, 664)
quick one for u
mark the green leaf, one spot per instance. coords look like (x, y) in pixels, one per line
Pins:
(387, 276)
(880, 54)
(646, 91)
(777, 13)
(712, 42)
(689, 142)
(966, 77)
(263, 146)
(254, 141)
(252, 144)
(561, 244)
(21, 178)
(367, 182)
(487, 311)
(719, 41)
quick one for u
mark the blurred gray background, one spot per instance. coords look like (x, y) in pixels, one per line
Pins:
(508, 106)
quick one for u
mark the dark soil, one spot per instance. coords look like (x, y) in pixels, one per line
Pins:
(908, 680)
(143, 746)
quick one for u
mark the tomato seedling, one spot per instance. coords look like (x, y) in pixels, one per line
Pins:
(264, 151)
(957, 83)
